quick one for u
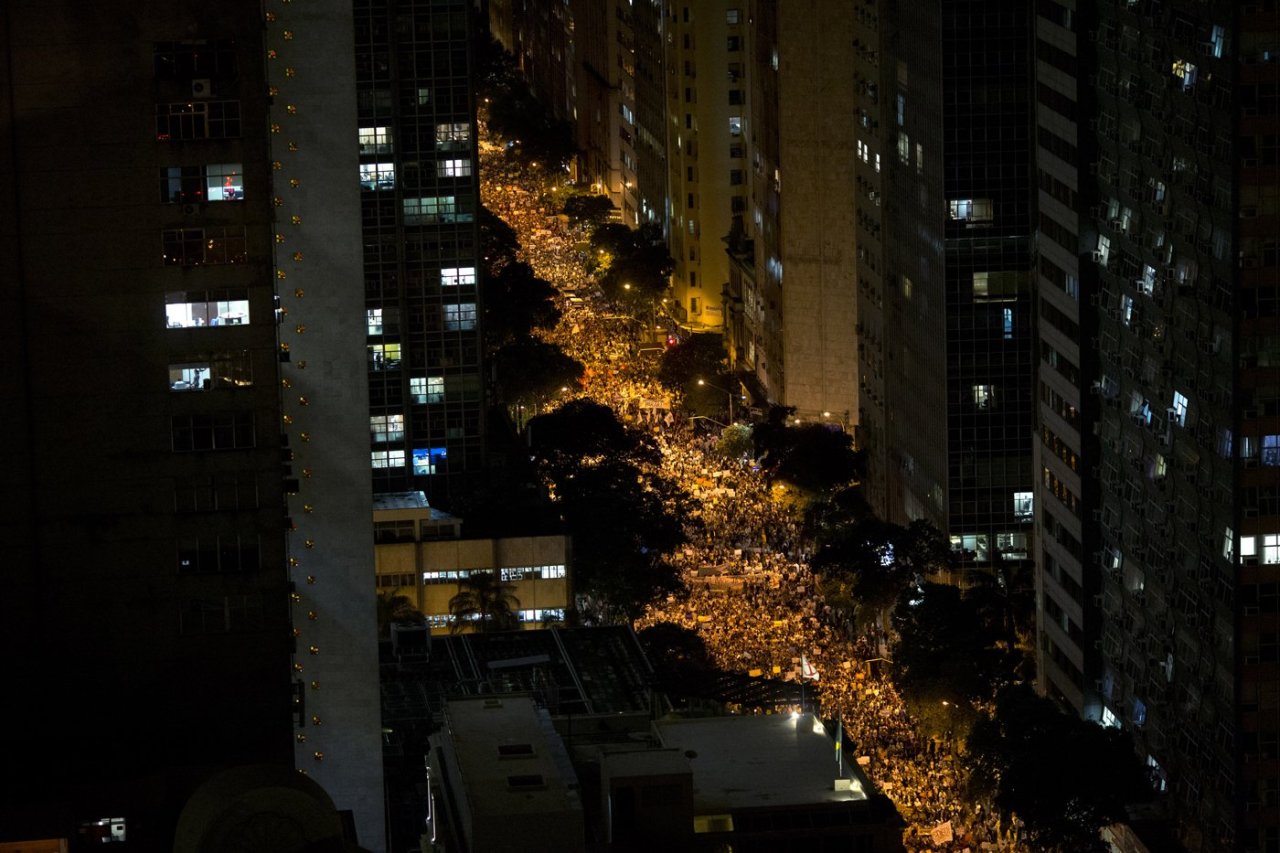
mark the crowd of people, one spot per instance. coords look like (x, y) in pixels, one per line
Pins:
(770, 616)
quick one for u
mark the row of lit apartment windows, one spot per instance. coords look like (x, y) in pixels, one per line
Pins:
(540, 616)
(382, 176)
(450, 136)
(508, 574)
(426, 460)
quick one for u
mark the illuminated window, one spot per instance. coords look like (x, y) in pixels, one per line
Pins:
(1179, 408)
(384, 428)
(384, 356)
(1006, 324)
(1184, 71)
(997, 286)
(377, 176)
(194, 184)
(428, 460)
(457, 276)
(1270, 450)
(1271, 548)
(231, 369)
(735, 125)
(972, 210)
(427, 389)
(373, 320)
(1023, 505)
(458, 168)
(387, 458)
(375, 140)
(984, 396)
(460, 317)
(453, 136)
(196, 308)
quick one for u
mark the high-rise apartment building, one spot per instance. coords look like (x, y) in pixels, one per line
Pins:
(187, 539)
(1159, 388)
(947, 331)
(598, 64)
(792, 295)
(706, 95)
(419, 202)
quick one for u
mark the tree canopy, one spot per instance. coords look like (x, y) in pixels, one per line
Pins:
(699, 356)
(499, 244)
(588, 208)
(818, 459)
(632, 266)
(515, 301)
(534, 371)
(1065, 777)
(394, 606)
(485, 602)
(944, 656)
(582, 430)
(872, 562)
(623, 515)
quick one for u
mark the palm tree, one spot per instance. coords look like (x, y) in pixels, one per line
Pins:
(394, 606)
(484, 599)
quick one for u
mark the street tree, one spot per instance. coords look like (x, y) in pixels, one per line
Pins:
(485, 601)
(632, 266)
(873, 561)
(531, 371)
(816, 459)
(622, 513)
(582, 432)
(499, 244)
(514, 302)
(944, 658)
(1064, 777)
(679, 657)
(735, 442)
(588, 209)
(394, 606)
(699, 356)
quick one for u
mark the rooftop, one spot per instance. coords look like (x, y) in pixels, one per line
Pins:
(761, 762)
(510, 758)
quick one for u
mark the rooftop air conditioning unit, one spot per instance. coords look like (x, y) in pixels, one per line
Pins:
(201, 87)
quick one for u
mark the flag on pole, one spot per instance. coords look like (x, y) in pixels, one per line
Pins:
(807, 670)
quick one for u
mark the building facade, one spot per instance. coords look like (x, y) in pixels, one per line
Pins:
(946, 329)
(706, 86)
(792, 295)
(420, 199)
(159, 257)
(1158, 291)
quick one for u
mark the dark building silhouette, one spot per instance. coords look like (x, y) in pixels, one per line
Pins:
(1157, 469)
(186, 506)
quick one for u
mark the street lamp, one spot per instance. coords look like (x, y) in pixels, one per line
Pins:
(723, 391)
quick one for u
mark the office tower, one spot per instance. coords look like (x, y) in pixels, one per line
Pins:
(1158, 615)
(705, 101)
(953, 444)
(419, 200)
(792, 295)
(179, 212)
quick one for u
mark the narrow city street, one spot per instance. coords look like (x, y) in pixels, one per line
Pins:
(750, 594)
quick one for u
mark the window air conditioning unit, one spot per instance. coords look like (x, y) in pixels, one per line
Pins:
(191, 209)
(201, 87)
